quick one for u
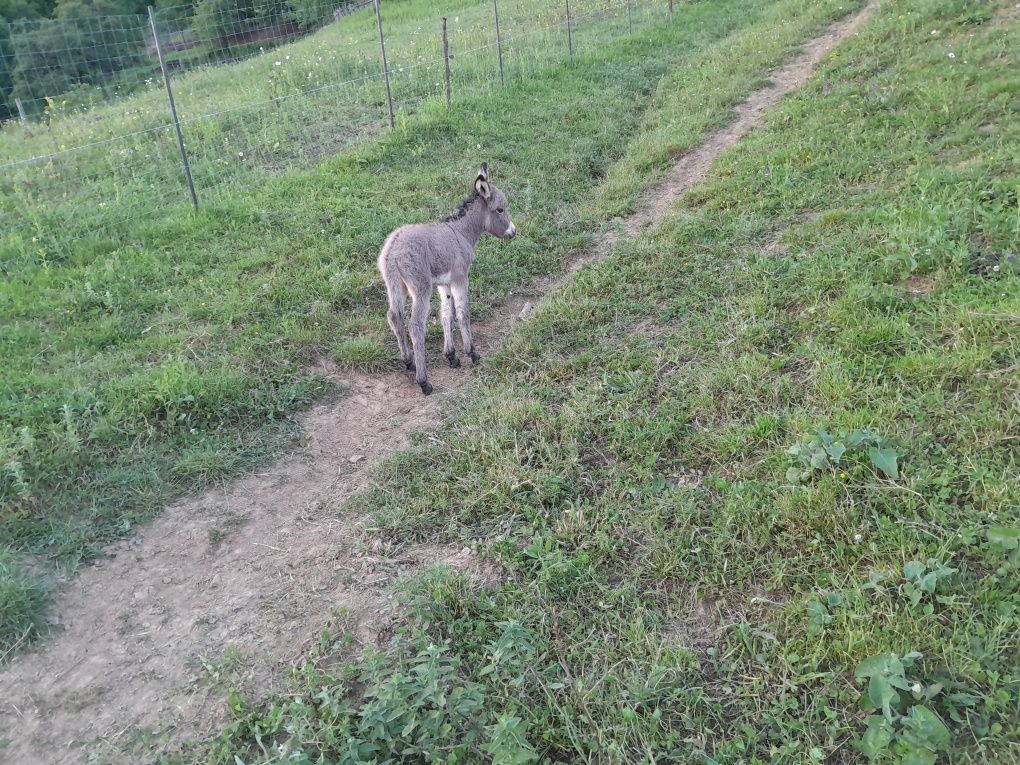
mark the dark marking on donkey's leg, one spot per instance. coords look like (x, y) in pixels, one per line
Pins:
(452, 358)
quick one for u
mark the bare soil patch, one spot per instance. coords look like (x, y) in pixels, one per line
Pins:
(918, 285)
(252, 569)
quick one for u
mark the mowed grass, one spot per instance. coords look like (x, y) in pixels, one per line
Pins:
(139, 368)
(752, 481)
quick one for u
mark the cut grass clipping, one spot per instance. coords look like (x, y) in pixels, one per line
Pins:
(752, 481)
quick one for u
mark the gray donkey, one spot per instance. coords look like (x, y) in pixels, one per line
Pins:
(417, 257)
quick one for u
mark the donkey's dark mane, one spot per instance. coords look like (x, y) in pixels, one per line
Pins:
(464, 207)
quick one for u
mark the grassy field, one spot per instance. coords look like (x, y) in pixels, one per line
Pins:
(752, 482)
(139, 369)
(103, 169)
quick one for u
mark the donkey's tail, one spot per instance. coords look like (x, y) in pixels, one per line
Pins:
(396, 292)
(391, 273)
(384, 260)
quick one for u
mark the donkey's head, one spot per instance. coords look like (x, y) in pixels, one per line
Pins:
(497, 219)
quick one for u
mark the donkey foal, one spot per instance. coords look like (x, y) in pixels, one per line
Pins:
(416, 258)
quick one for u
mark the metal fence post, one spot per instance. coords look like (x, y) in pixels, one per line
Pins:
(21, 110)
(173, 109)
(499, 42)
(385, 66)
(570, 37)
(670, 10)
(446, 61)
(630, 19)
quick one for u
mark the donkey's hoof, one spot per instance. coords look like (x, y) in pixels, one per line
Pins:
(426, 387)
(409, 365)
(476, 357)
(454, 361)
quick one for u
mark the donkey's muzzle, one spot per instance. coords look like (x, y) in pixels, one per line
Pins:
(511, 232)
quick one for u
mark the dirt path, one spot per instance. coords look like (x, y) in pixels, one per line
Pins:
(229, 584)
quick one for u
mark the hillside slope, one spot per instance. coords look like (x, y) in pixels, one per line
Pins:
(751, 482)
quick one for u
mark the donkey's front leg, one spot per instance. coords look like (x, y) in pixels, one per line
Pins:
(446, 317)
(419, 320)
(460, 297)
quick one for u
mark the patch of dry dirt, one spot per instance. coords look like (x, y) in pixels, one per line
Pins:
(775, 248)
(703, 622)
(918, 285)
(1006, 14)
(255, 566)
(252, 569)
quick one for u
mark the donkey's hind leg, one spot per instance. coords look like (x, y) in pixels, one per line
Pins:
(446, 316)
(460, 297)
(421, 297)
(395, 316)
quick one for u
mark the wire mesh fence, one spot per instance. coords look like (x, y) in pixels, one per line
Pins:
(90, 146)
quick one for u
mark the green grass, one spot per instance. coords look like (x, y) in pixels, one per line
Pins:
(289, 107)
(679, 585)
(363, 353)
(146, 365)
(22, 597)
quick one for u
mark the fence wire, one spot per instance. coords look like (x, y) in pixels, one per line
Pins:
(89, 150)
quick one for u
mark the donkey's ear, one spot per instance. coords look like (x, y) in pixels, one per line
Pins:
(482, 181)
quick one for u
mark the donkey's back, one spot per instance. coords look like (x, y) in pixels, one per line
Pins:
(420, 255)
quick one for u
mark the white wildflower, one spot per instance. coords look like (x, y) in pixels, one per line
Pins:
(279, 63)
(916, 688)
(952, 55)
